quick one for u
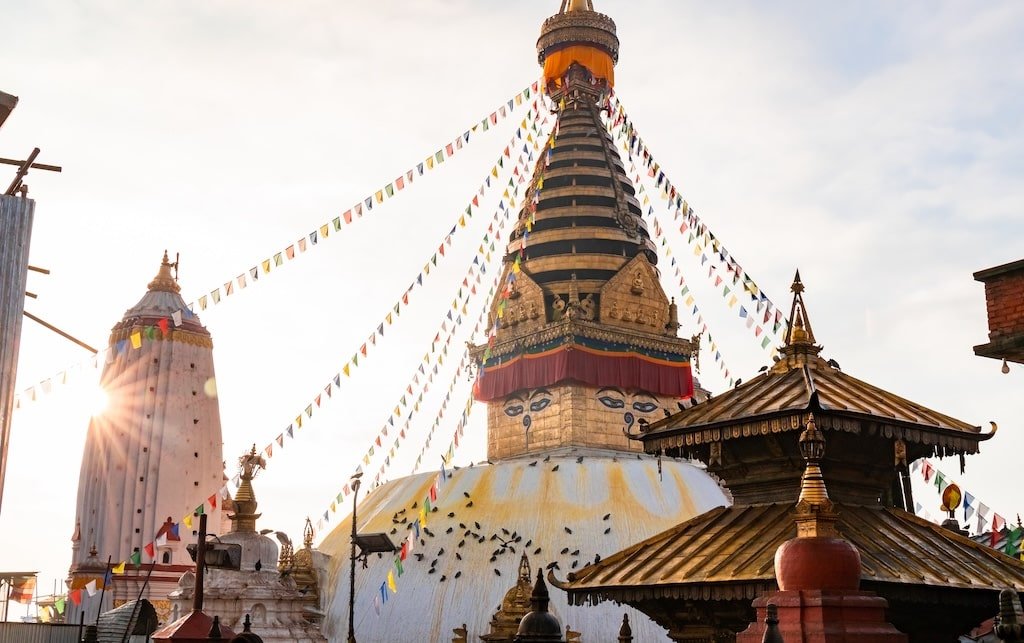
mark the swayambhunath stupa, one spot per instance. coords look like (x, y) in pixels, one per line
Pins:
(619, 481)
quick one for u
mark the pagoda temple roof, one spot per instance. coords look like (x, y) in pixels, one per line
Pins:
(728, 553)
(801, 380)
(788, 391)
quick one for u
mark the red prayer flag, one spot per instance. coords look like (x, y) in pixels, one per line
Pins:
(998, 522)
(76, 596)
(347, 216)
(150, 550)
(400, 183)
(164, 326)
(213, 501)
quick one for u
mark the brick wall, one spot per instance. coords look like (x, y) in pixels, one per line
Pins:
(1004, 297)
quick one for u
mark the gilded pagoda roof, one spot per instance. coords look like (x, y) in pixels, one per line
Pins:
(763, 404)
(728, 553)
(778, 399)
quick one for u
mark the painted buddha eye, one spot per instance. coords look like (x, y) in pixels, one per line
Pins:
(644, 407)
(611, 402)
(539, 405)
(514, 410)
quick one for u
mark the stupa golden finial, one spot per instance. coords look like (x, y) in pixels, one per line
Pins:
(164, 280)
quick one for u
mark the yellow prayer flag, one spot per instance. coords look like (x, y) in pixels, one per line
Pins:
(732, 301)
(187, 519)
(136, 339)
(345, 370)
(462, 221)
(391, 582)
(266, 266)
(118, 568)
(379, 196)
(494, 171)
(430, 162)
(423, 516)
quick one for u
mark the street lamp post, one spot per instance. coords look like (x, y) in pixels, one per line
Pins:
(352, 572)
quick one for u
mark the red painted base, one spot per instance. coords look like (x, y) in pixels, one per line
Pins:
(815, 616)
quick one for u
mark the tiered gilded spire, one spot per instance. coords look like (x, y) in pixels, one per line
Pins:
(815, 513)
(244, 516)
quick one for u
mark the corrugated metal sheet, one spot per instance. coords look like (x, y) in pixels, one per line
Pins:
(15, 233)
(138, 617)
(38, 633)
(729, 553)
(539, 500)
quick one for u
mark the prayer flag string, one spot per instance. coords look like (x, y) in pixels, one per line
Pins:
(278, 259)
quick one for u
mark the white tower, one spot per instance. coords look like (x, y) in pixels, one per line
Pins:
(153, 456)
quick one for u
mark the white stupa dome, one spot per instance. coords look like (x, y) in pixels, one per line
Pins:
(565, 506)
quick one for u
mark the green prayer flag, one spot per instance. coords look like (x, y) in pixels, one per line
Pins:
(1012, 546)
(136, 558)
(199, 510)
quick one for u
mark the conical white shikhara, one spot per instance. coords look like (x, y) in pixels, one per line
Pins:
(154, 454)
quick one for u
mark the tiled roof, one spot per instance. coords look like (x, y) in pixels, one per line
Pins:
(728, 553)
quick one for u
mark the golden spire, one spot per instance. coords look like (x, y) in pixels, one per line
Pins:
(800, 332)
(815, 515)
(244, 518)
(307, 534)
(164, 280)
(799, 347)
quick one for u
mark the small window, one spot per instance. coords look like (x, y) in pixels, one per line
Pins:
(156, 361)
(196, 483)
(196, 454)
(166, 558)
(152, 389)
(192, 366)
(195, 420)
(136, 531)
(145, 449)
(138, 511)
(141, 479)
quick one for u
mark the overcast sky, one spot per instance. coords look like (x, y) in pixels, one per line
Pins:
(877, 146)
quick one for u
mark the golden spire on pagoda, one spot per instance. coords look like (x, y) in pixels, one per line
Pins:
(799, 347)
(800, 332)
(815, 515)
(164, 280)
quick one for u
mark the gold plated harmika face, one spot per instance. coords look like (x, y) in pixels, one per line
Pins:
(633, 404)
(569, 415)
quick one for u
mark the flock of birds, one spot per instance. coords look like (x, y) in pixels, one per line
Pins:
(504, 540)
